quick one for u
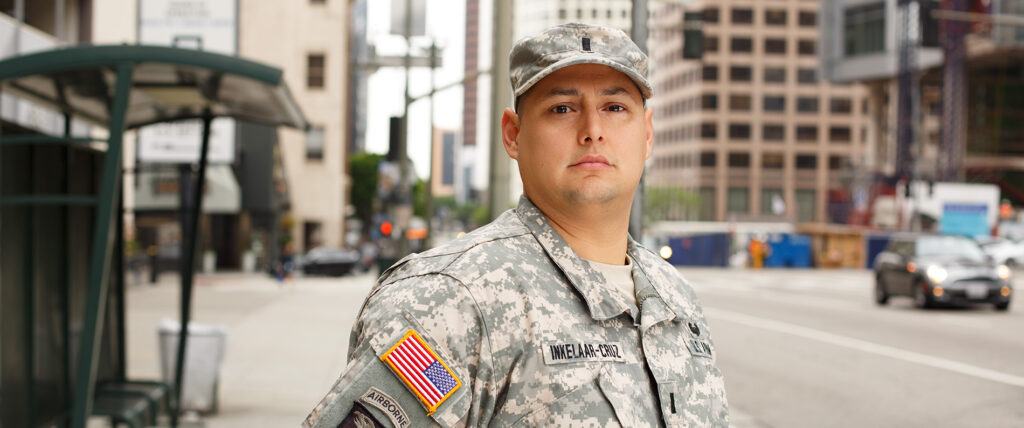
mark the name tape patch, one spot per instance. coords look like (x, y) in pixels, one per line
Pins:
(422, 370)
(578, 352)
(383, 402)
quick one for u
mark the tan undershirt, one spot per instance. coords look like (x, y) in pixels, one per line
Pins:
(620, 276)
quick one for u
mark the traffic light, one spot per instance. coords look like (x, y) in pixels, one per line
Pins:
(693, 35)
(929, 25)
(385, 228)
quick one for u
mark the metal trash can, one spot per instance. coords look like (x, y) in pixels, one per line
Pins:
(203, 357)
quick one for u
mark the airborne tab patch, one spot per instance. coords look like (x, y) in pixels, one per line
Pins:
(421, 370)
(578, 352)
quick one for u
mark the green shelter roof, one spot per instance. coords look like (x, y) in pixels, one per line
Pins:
(168, 84)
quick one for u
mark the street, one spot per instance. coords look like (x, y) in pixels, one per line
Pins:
(809, 348)
(799, 348)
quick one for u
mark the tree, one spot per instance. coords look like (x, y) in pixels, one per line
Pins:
(363, 170)
(667, 203)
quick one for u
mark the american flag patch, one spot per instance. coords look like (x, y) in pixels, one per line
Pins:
(421, 370)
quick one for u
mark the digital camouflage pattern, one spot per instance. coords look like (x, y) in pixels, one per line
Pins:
(537, 337)
(534, 58)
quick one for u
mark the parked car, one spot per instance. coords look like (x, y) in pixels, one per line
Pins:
(937, 269)
(330, 261)
(1004, 251)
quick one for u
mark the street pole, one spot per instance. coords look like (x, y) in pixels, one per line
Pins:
(638, 32)
(501, 98)
(429, 214)
(398, 216)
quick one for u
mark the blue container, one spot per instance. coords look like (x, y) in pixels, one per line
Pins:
(875, 244)
(789, 250)
(700, 250)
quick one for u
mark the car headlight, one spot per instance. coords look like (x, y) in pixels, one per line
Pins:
(936, 273)
(1003, 271)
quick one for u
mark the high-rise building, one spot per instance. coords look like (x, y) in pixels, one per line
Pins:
(751, 128)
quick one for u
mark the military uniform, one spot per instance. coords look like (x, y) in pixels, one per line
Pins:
(533, 336)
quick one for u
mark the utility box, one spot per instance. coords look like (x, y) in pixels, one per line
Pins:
(204, 354)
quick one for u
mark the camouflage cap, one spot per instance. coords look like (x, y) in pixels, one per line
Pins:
(534, 58)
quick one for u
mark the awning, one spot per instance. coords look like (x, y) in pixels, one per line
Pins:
(168, 84)
(159, 191)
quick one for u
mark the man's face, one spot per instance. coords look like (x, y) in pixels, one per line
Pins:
(581, 136)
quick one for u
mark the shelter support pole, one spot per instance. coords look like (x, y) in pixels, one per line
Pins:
(99, 256)
(188, 254)
(638, 33)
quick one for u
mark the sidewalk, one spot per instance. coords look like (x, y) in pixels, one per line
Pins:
(286, 344)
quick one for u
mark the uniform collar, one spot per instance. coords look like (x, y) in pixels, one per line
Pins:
(602, 300)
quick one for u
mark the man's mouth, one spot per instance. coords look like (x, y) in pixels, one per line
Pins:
(591, 162)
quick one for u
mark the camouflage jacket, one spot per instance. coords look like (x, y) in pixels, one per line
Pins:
(532, 335)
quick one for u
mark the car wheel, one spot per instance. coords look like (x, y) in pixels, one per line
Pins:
(1003, 306)
(881, 297)
(921, 299)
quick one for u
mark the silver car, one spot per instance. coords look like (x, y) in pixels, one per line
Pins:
(937, 269)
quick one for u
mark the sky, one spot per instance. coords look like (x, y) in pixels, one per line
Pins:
(446, 24)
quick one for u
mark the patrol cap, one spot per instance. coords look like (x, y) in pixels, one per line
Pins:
(534, 58)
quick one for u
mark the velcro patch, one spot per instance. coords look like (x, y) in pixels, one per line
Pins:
(579, 352)
(422, 371)
(383, 402)
(697, 343)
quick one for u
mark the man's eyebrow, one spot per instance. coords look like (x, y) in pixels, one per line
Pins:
(618, 90)
(554, 92)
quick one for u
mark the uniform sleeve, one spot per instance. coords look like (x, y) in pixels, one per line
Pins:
(451, 384)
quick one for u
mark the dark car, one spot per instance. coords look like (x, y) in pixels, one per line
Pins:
(331, 261)
(937, 269)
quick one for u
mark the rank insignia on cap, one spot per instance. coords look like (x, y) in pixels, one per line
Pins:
(422, 370)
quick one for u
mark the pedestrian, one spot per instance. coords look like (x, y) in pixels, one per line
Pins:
(551, 315)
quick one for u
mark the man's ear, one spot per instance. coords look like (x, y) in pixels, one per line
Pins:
(510, 133)
(649, 136)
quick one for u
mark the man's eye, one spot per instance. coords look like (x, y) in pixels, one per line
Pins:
(560, 109)
(616, 107)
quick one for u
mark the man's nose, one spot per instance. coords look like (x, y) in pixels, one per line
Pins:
(591, 128)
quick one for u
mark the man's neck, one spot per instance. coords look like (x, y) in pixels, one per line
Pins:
(592, 232)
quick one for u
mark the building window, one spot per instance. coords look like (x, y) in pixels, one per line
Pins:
(808, 19)
(864, 29)
(840, 105)
(312, 234)
(807, 105)
(772, 202)
(707, 204)
(806, 47)
(807, 76)
(739, 131)
(708, 130)
(839, 134)
(710, 44)
(741, 44)
(838, 162)
(774, 103)
(775, 17)
(775, 46)
(317, 1)
(315, 143)
(709, 102)
(739, 102)
(773, 132)
(774, 75)
(707, 159)
(773, 161)
(738, 200)
(739, 160)
(709, 73)
(806, 162)
(742, 16)
(710, 15)
(315, 71)
(593, 13)
(807, 133)
(806, 205)
(562, 14)
(738, 73)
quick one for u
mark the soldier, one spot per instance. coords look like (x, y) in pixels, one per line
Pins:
(551, 315)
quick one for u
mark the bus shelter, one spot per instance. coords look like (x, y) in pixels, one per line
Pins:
(62, 314)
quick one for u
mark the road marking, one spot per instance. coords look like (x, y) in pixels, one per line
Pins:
(865, 346)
